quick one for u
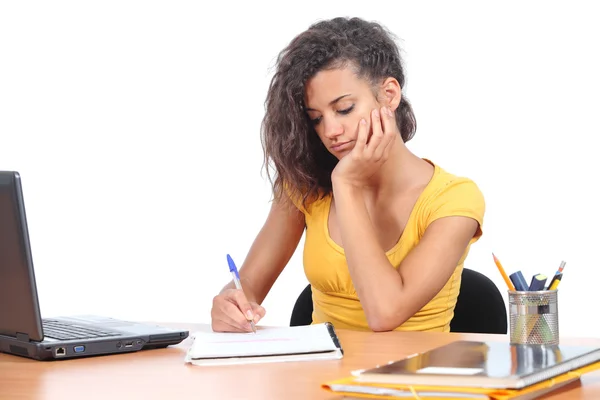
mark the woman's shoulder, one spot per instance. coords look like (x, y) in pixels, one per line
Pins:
(444, 184)
(450, 194)
(307, 204)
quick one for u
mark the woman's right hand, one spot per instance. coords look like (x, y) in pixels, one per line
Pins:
(232, 312)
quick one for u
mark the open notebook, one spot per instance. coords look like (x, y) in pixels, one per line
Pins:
(277, 344)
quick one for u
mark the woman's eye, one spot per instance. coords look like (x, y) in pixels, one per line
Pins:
(315, 121)
(346, 111)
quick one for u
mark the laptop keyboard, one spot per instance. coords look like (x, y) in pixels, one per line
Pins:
(65, 331)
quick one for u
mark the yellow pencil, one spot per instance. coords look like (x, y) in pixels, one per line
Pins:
(510, 285)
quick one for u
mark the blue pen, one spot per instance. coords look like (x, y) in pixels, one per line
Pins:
(236, 281)
(519, 281)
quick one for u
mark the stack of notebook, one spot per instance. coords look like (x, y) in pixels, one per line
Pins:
(473, 370)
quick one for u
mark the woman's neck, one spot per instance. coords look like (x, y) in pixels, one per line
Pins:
(403, 171)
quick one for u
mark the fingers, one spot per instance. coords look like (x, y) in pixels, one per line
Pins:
(390, 132)
(361, 139)
(259, 312)
(384, 132)
(377, 136)
(239, 298)
(227, 317)
(231, 312)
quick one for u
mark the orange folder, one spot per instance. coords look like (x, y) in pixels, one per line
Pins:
(349, 386)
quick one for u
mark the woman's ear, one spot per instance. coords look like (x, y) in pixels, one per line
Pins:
(391, 93)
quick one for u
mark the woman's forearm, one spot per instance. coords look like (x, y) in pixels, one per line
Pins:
(377, 283)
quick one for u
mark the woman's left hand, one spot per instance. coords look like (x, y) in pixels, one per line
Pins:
(368, 155)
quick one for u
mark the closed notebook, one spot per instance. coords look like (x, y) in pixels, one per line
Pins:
(351, 388)
(277, 344)
(493, 365)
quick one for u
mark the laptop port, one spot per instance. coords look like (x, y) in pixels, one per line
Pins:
(60, 352)
(129, 344)
(79, 349)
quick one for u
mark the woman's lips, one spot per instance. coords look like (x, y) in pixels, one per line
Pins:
(341, 146)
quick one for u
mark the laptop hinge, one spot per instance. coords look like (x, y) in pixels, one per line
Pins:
(22, 337)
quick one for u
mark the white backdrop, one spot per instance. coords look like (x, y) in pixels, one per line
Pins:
(135, 127)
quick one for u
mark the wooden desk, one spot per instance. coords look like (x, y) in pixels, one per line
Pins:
(162, 374)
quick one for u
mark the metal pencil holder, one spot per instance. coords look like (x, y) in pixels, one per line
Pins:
(533, 317)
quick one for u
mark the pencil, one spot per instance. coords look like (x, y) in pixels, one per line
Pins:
(511, 287)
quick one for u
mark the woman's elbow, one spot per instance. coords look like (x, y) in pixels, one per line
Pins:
(385, 321)
(381, 327)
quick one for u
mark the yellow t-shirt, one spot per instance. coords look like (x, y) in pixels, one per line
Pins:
(334, 297)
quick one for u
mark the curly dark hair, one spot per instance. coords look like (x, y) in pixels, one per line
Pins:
(302, 163)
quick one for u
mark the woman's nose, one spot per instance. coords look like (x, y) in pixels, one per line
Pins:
(332, 128)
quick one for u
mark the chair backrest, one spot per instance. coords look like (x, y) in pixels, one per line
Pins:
(303, 308)
(480, 307)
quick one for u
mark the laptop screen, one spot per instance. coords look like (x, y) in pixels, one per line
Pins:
(19, 308)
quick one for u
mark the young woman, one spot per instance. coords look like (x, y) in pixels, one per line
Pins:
(387, 232)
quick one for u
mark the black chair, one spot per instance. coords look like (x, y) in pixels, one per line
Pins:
(303, 308)
(480, 307)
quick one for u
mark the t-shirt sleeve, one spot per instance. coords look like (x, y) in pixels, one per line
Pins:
(460, 197)
(294, 197)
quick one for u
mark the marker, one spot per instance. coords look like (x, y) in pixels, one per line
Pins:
(236, 281)
(503, 273)
(519, 281)
(555, 282)
(537, 283)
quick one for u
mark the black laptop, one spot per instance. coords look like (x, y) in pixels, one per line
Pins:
(22, 330)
